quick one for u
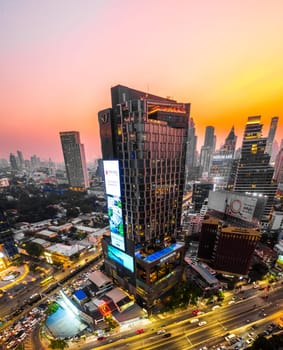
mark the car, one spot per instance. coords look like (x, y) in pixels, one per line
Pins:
(194, 320)
(229, 337)
(161, 331)
(250, 340)
(202, 323)
(251, 334)
(101, 338)
(215, 307)
(139, 331)
(195, 312)
(231, 302)
(167, 335)
(248, 321)
(203, 348)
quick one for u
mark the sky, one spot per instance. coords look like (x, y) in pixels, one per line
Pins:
(59, 59)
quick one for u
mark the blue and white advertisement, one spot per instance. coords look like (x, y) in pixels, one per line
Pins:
(114, 205)
(121, 258)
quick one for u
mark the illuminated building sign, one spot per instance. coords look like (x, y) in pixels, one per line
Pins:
(236, 205)
(112, 177)
(121, 258)
(116, 222)
(113, 191)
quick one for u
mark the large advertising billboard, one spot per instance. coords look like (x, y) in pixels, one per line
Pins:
(121, 258)
(230, 203)
(112, 177)
(114, 205)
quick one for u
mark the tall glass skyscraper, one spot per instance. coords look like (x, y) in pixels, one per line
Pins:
(143, 139)
(254, 174)
(74, 157)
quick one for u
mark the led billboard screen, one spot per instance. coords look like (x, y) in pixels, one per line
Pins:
(236, 205)
(114, 205)
(112, 177)
(121, 258)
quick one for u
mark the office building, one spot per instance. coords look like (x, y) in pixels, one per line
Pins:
(222, 161)
(8, 249)
(143, 140)
(13, 162)
(278, 169)
(200, 194)
(227, 249)
(74, 158)
(271, 135)
(191, 158)
(207, 150)
(254, 174)
(21, 161)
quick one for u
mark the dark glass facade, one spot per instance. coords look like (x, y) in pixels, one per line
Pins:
(74, 158)
(227, 249)
(254, 174)
(147, 134)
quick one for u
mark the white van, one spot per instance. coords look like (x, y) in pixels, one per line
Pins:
(194, 320)
(229, 337)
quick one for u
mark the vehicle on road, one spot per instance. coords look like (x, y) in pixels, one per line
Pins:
(229, 337)
(202, 323)
(194, 320)
(139, 331)
(167, 335)
(161, 331)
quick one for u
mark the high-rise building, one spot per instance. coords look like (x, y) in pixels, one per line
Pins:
(13, 162)
(207, 150)
(200, 194)
(21, 161)
(191, 159)
(271, 135)
(222, 161)
(143, 140)
(254, 174)
(278, 169)
(227, 249)
(8, 249)
(74, 157)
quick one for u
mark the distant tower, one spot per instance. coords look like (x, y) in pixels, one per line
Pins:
(74, 157)
(13, 162)
(222, 161)
(21, 160)
(271, 135)
(278, 172)
(191, 157)
(207, 150)
(254, 174)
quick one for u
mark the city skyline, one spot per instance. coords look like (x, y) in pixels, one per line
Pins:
(224, 59)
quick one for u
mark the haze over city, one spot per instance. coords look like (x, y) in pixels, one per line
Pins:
(59, 60)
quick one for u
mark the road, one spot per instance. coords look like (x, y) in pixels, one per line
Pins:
(235, 318)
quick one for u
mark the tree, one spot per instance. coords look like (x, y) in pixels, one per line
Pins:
(58, 344)
(34, 249)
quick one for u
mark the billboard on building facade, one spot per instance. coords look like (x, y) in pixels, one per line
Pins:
(112, 177)
(120, 257)
(233, 204)
(114, 203)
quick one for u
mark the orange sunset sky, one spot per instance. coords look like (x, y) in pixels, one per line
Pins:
(59, 58)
